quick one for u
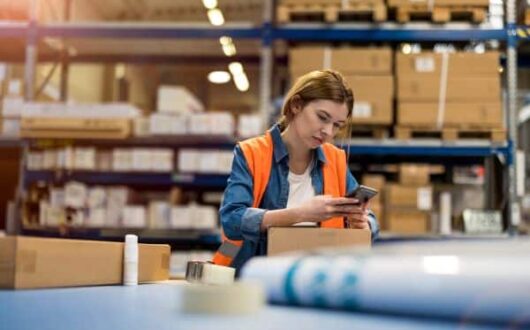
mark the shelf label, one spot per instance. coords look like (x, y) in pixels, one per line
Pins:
(362, 110)
(483, 222)
(424, 64)
(183, 178)
(424, 198)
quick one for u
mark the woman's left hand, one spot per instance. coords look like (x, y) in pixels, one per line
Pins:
(359, 220)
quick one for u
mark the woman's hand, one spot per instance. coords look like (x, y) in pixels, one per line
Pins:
(360, 219)
(323, 207)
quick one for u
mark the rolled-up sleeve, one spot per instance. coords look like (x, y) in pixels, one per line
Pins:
(351, 185)
(240, 221)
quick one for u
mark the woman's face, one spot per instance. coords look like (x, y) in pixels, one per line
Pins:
(319, 121)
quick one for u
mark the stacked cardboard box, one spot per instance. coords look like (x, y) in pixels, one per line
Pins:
(368, 71)
(12, 99)
(458, 90)
(376, 204)
(407, 204)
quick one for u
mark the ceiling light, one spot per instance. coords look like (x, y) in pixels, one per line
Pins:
(209, 4)
(216, 17)
(229, 50)
(219, 77)
(224, 40)
(235, 68)
(241, 82)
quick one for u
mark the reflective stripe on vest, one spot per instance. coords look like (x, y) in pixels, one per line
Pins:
(258, 154)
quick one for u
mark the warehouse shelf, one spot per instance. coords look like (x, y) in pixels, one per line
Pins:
(176, 141)
(197, 236)
(131, 178)
(12, 29)
(10, 141)
(385, 32)
(426, 147)
(148, 30)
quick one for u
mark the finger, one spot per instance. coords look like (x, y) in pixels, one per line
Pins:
(344, 200)
(348, 209)
(356, 225)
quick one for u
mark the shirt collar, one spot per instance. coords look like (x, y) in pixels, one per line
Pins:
(280, 150)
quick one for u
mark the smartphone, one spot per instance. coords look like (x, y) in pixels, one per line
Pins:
(363, 193)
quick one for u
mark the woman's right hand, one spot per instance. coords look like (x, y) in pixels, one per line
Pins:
(323, 207)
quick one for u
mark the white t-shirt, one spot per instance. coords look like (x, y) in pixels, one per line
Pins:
(300, 190)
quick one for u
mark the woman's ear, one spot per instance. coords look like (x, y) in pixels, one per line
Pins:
(296, 105)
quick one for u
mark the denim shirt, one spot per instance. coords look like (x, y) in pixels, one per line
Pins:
(241, 221)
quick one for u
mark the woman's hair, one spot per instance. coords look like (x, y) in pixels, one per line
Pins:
(316, 85)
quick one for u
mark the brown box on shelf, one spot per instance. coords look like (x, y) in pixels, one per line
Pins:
(80, 128)
(422, 88)
(377, 209)
(415, 197)
(407, 221)
(456, 114)
(310, 2)
(31, 262)
(287, 239)
(375, 112)
(459, 64)
(414, 174)
(346, 60)
(479, 3)
(373, 99)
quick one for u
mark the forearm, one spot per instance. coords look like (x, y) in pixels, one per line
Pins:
(280, 218)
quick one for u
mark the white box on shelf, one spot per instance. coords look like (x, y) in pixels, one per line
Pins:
(159, 214)
(177, 100)
(97, 197)
(181, 217)
(51, 216)
(76, 194)
(85, 158)
(162, 160)
(141, 126)
(65, 158)
(97, 217)
(14, 87)
(35, 160)
(113, 216)
(121, 160)
(10, 127)
(249, 125)
(199, 124)
(188, 160)
(134, 216)
(57, 197)
(221, 123)
(12, 106)
(204, 217)
(225, 162)
(208, 161)
(160, 124)
(141, 159)
(118, 196)
(49, 159)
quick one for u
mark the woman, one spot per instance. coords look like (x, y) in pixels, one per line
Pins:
(293, 174)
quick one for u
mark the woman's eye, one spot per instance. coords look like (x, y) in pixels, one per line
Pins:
(323, 118)
(337, 126)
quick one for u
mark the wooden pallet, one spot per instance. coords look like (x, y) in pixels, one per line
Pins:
(331, 13)
(75, 128)
(450, 134)
(441, 14)
(527, 16)
(370, 131)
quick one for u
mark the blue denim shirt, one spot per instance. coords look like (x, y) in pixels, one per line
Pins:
(241, 221)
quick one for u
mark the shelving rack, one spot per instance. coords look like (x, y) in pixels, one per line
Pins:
(268, 33)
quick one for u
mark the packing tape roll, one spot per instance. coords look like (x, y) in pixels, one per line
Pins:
(208, 273)
(238, 298)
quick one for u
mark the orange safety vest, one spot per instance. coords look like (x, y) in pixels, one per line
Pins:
(258, 153)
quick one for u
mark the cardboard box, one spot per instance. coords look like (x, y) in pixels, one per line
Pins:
(459, 64)
(30, 262)
(414, 174)
(407, 221)
(419, 198)
(286, 239)
(480, 3)
(427, 88)
(347, 60)
(370, 88)
(457, 114)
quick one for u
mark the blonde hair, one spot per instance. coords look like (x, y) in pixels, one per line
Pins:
(317, 85)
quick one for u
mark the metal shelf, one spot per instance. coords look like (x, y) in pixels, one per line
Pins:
(148, 30)
(131, 178)
(175, 141)
(196, 236)
(426, 147)
(385, 32)
(9, 29)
